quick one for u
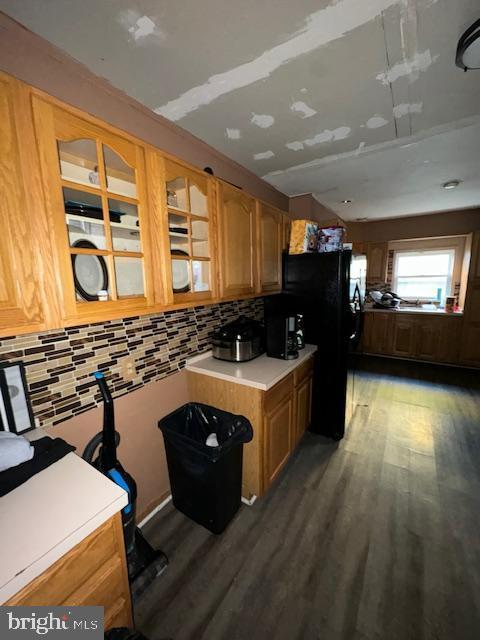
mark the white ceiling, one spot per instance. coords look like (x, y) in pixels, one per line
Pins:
(315, 96)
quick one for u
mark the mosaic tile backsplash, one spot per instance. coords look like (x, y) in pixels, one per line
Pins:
(59, 363)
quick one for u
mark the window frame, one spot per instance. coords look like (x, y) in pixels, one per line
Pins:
(418, 252)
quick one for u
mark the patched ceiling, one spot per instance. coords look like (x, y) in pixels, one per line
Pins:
(347, 99)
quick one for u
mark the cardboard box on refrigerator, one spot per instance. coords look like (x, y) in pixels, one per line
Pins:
(303, 237)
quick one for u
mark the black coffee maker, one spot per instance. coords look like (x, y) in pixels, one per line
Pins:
(281, 335)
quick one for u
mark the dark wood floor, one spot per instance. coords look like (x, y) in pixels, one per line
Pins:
(377, 536)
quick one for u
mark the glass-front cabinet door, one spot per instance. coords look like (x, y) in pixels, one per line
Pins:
(96, 180)
(189, 198)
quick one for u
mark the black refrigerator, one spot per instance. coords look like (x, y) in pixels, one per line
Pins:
(328, 289)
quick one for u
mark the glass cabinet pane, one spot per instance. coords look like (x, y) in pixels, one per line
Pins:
(177, 194)
(200, 239)
(178, 234)
(90, 274)
(84, 218)
(201, 275)
(120, 176)
(129, 276)
(198, 201)
(181, 276)
(124, 226)
(78, 161)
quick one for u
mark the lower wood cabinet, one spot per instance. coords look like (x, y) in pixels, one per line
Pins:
(377, 333)
(278, 436)
(430, 338)
(420, 337)
(303, 377)
(279, 418)
(403, 336)
(93, 573)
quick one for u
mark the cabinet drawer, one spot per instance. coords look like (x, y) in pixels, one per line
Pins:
(106, 588)
(69, 572)
(303, 371)
(118, 615)
(102, 589)
(276, 394)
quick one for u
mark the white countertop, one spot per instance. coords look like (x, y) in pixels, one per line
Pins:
(48, 515)
(437, 312)
(261, 373)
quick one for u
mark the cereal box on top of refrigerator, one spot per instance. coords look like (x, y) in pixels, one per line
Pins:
(303, 237)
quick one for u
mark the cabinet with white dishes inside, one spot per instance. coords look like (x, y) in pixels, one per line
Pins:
(189, 228)
(96, 197)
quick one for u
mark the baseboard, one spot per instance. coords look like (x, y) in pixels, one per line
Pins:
(148, 514)
(387, 356)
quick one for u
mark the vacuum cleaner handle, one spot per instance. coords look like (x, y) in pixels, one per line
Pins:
(109, 448)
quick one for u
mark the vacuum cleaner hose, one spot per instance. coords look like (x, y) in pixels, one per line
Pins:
(93, 444)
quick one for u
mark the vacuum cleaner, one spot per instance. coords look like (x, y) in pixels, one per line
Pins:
(144, 563)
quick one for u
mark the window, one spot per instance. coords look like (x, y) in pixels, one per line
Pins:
(423, 275)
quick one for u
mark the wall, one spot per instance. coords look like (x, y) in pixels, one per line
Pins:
(141, 449)
(307, 207)
(34, 60)
(64, 396)
(448, 223)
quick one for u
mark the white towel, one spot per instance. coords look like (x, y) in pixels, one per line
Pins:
(14, 450)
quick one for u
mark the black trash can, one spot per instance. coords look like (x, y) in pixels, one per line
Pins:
(206, 481)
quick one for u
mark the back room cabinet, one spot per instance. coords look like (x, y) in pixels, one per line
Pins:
(377, 262)
(404, 336)
(237, 238)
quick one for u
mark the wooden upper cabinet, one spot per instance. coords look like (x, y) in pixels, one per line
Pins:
(377, 262)
(286, 229)
(24, 234)
(237, 241)
(189, 205)
(95, 191)
(270, 232)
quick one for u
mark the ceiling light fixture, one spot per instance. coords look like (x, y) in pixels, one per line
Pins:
(468, 48)
(346, 201)
(451, 184)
